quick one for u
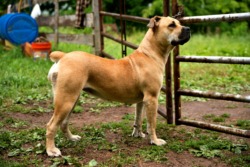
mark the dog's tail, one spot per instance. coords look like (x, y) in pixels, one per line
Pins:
(56, 56)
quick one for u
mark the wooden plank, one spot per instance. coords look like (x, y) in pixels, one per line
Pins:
(67, 20)
(96, 5)
(56, 24)
(76, 39)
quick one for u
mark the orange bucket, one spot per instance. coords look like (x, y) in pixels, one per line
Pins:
(41, 50)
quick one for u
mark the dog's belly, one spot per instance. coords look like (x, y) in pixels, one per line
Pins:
(115, 95)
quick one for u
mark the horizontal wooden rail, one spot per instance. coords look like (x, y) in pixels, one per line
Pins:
(219, 128)
(126, 17)
(214, 95)
(133, 46)
(217, 18)
(67, 20)
(73, 38)
(105, 54)
(214, 59)
(162, 113)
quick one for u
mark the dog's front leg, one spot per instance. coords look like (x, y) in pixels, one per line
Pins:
(151, 104)
(137, 132)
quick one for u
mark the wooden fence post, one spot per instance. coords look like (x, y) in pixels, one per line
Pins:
(97, 27)
(56, 22)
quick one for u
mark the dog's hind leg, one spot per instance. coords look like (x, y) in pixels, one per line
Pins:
(65, 127)
(137, 132)
(64, 102)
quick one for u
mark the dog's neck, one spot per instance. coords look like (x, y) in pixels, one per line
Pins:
(151, 47)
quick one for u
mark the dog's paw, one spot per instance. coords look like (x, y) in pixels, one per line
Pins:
(137, 133)
(75, 138)
(55, 152)
(158, 142)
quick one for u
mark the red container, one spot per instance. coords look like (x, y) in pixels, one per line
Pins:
(41, 50)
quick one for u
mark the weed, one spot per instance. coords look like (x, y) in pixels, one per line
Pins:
(215, 118)
(78, 109)
(153, 153)
(244, 124)
(177, 146)
(209, 116)
(65, 160)
(219, 119)
(204, 151)
(225, 115)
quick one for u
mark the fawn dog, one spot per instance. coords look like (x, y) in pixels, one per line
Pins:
(136, 78)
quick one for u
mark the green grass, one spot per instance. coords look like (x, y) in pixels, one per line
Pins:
(27, 143)
(214, 118)
(216, 77)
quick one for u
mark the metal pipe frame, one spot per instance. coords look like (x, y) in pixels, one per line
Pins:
(203, 59)
(217, 18)
(214, 59)
(219, 128)
(177, 59)
(168, 75)
(126, 17)
(214, 95)
(133, 46)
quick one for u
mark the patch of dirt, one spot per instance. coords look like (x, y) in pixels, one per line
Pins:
(187, 159)
(190, 110)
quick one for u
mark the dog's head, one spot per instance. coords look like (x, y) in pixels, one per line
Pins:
(170, 29)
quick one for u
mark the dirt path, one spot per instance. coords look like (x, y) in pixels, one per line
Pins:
(191, 110)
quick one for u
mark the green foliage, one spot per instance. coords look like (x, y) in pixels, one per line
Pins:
(220, 118)
(153, 153)
(205, 152)
(202, 7)
(245, 124)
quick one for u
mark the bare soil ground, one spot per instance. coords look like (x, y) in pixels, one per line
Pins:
(190, 110)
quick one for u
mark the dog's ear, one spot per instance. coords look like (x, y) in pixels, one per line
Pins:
(154, 22)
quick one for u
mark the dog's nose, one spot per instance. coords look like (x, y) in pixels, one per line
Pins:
(187, 29)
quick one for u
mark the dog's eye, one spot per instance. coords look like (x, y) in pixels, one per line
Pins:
(172, 25)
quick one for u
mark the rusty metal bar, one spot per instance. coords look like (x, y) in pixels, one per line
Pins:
(104, 54)
(219, 128)
(168, 75)
(166, 8)
(214, 95)
(162, 113)
(133, 46)
(217, 18)
(214, 59)
(123, 28)
(177, 86)
(176, 53)
(126, 17)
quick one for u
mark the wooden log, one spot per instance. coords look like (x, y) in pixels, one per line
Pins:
(67, 20)
(70, 38)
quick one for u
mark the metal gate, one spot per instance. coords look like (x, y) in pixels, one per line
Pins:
(178, 92)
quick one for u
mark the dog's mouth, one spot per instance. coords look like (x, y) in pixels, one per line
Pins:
(183, 37)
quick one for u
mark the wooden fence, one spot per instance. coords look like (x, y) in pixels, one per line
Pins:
(68, 20)
(96, 40)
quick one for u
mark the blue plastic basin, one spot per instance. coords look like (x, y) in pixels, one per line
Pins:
(18, 28)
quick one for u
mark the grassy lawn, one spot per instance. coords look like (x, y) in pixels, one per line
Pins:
(24, 89)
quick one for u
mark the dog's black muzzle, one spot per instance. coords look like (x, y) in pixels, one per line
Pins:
(183, 37)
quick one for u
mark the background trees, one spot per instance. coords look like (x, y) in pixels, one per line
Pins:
(149, 8)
